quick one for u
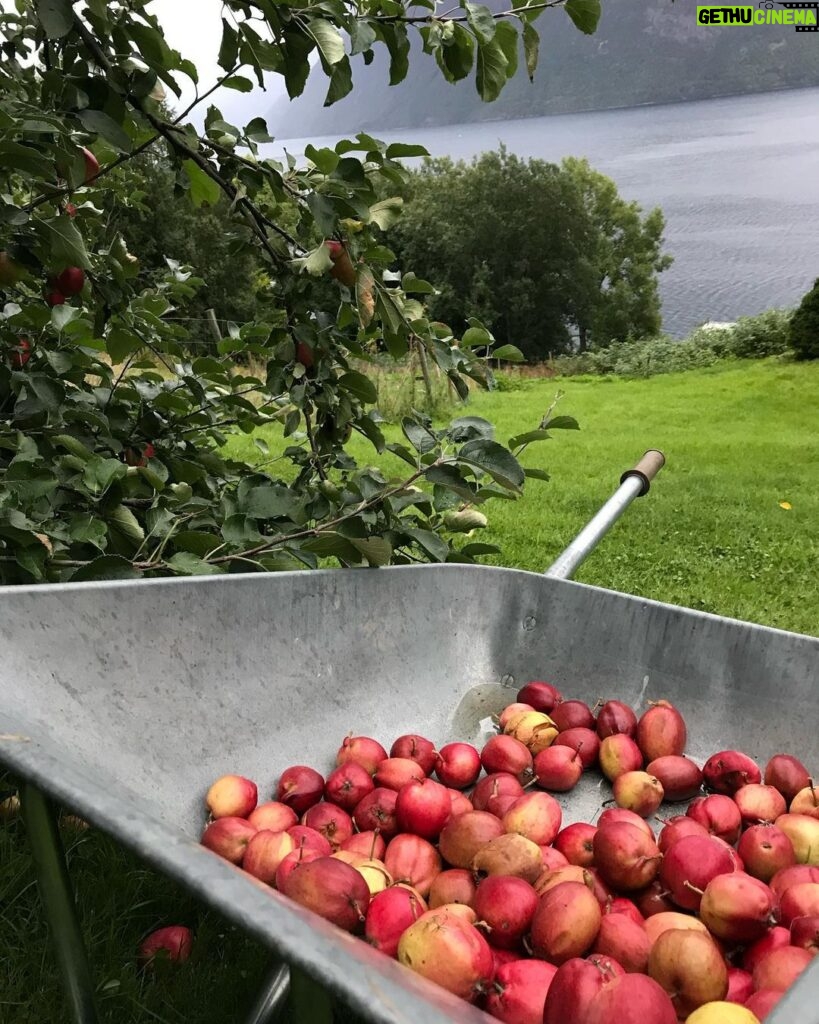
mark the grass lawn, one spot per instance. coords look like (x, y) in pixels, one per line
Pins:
(739, 440)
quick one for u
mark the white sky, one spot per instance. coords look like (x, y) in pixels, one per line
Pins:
(194, 27)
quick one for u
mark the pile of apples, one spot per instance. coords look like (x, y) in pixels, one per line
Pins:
(472, 881)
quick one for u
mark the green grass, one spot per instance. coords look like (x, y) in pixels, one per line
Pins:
(739, 439)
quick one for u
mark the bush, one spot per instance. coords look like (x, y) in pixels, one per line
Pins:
(804, 326)
(766, 334)
(752, 337)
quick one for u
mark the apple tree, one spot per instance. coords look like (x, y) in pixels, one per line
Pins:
(112, 432)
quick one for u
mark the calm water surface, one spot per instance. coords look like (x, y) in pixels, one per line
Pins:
(737, 179)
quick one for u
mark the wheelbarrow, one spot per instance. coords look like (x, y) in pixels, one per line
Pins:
(123, 701)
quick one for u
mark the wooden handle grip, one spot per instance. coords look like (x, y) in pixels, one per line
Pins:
(646, 469)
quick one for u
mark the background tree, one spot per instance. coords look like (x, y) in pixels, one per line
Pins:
(154, 214)
(550, 257)
(113, 467)
(620, 296)
(804, 327)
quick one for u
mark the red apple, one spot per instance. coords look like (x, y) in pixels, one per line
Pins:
(172, 943)
(423, 807)
(229, 838)
(265, 852)
(458, 765)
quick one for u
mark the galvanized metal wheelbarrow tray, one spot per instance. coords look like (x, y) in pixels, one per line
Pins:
(125, 700)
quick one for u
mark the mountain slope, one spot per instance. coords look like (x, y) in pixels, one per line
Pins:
(644, 51)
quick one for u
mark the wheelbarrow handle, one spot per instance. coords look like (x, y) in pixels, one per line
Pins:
(634, 483)
(646, 469)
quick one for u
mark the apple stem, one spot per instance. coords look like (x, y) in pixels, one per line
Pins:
(693, 888)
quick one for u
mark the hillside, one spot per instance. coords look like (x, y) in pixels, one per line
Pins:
(644, 51)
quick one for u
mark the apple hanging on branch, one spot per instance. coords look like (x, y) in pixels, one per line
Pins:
(342, 269)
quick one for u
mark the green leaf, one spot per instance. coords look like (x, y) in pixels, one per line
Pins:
(449, 476)
(106, 567)
(386, 212)
(476, 336)
(87, 529)
(341, 82)
(468, 428)
(495, 460)
(328, 39)
(73, 445)
(531, 48)
(396, 150)
(362, 36)
(563, 423)
(376, 550)
(269, 501)
(100, 473)
(256, 131)
(403, 453)
(458, 56)
(16, 156)
(509, 353)
(420, 437)
(297, 46)
(61, 316)
(536, 474)
(333, 545)
(364, 288)
(29, 482)
(529, 437)
(50, 392)
(430, 542)
(396, 40)
(98, 122)
(324, 212)
(56, 17)
(238, 83)
(229, 47)
(481, 22)
(240, 530)
(184, 563)
(476, 549)
(196, 541)
(491, 71)
(125, 522)
(64, 243)
(585, 14)
(325, 160)
(204, 191)
(318, 262)
(121, 343)
(507, 38)
(359, 385)
(373, 434)
(415, 286)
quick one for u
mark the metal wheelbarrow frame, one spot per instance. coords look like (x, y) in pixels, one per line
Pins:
(154, 705)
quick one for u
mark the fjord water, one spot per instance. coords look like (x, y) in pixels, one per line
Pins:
(737, 179)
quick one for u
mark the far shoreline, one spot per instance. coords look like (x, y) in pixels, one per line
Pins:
(428, 126)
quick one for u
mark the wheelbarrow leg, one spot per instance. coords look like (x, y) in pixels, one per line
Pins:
(273, 996)
(289, 987)
(58, 902)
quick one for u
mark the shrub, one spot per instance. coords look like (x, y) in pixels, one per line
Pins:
(766, 334)
(804, 326)
(752, 337)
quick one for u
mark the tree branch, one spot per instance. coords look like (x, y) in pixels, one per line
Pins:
(426, 19)
(311, 437)
(316, 531)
